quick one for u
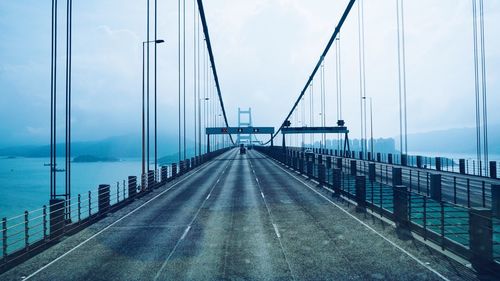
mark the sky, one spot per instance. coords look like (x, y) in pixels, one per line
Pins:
(264, 51)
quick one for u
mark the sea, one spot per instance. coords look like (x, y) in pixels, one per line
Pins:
(25, 182)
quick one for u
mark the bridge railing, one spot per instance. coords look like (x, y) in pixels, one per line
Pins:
(465, 166)
(35, 230)
(419, 202)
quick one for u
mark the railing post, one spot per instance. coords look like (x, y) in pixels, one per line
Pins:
(461, 166)
(164, 174)
(4, 237)
(103, 198)
(44, 222)
(495, 200)
(379, 157)
(397, 176)
(360, 193)
(336, 181)
(132, 186)
(361, 156)
(436, 187)
(79, 207)
(389, 158)
(493, 169)
(419, 161)
(404, 160)
(321, 170)
(481, 238)
(371, 172)
(339, 163)
(174, 170)
(301, 162)
(151, 180)
(56, 216)
(401, 203)
(438, 163)
(354, 168)
(26, 231)
(328, 161)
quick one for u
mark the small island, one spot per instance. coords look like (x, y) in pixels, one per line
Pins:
(93, 159)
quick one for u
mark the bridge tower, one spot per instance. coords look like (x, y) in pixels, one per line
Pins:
(244, 120)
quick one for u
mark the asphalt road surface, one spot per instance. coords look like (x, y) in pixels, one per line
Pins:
(239, 217)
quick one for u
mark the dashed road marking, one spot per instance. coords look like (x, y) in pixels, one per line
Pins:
(276, 231)
(262, 194)
(185, 232)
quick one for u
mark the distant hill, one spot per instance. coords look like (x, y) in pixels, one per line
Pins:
(113, 147)
(461, 140)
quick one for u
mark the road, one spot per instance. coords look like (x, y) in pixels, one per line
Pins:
(240, 217)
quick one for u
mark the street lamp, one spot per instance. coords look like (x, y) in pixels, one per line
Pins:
(143, 177)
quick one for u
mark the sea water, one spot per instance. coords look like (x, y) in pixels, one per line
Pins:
(25, 182)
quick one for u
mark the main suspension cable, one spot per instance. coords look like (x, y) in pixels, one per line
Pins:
(322, 57)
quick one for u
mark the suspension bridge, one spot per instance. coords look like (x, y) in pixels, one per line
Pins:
(279, 209)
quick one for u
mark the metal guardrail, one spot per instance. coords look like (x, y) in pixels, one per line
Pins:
(32, 231)
(471, 167)
(446, 222)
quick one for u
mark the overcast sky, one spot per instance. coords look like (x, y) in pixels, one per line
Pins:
(264, 52)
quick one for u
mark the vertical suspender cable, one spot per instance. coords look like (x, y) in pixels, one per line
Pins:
(360, 55)
(476, 82)
(403, 59)
(194, 76)
(399, 80)
(179, 76)
(311, 113)
(484, 86)
(403, 120)
(52, 87)
(54, 121)
(323, 109)
(364, 75)
(184, 74)
(156, 87)
(68, 106)
(147, 88)
(199, 82)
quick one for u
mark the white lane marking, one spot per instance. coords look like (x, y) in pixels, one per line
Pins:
(208, 196)
(117, 221)
(256, 179)
(274, 226)
(367, 226)
(276, 230)
(185, 232)
(191, 223)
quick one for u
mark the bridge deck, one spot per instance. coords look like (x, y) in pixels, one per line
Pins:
(239, 217)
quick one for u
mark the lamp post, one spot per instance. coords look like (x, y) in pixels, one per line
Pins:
(143, 176)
